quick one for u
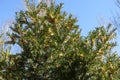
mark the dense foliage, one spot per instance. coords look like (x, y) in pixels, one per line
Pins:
(54, 49)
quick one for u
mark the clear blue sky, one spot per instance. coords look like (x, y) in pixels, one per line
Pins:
(90, 13)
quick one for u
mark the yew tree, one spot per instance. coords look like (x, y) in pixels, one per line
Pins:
(54, 49)
(5, 54)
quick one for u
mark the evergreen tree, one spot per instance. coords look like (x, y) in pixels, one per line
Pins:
(5, 55)
(53, 48)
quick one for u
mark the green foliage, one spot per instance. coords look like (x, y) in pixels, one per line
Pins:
(53, 48)
(5, 58)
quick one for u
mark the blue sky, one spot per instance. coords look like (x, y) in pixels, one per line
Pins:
(90, 13)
